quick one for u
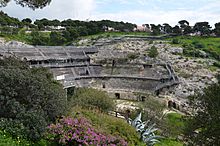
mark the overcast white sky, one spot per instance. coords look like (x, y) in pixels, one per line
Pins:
(135, 11)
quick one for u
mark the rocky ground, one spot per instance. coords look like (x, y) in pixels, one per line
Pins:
(194, 73)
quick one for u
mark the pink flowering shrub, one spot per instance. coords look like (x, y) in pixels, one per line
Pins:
(69, 131)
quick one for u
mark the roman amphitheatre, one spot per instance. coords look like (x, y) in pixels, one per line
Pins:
(120, 66)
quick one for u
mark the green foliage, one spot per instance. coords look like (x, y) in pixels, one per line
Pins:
(192, 46)
(56, 39)
(173, 125)
(198, 45)
(6, 140)
(175, 41)
(155, 29)
(217, 64)
(152, 109)
(133, 56)
(92, 98)
(203, 27)
(29, 99)
(169, 142)
(151, 42)
(38, 38)
(153, 52)
(217, 29)
(33, 4)
(8, 30)
(203, 127)
(5, 20)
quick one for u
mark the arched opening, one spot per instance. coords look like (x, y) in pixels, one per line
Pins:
(143, 98)
(174, 105)
(103, 85)
(170, 104)
(158, 92)
(117, 95)
(87, 72)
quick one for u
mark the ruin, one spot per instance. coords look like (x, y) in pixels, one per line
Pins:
(99, 67)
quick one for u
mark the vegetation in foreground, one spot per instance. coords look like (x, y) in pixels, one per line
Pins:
(203, 126)
(31, 100)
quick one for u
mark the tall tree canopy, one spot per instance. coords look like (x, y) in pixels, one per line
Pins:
(203, 27)
(217, 29)
(204, 125)
(34, 4)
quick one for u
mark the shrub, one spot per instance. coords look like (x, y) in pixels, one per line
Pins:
(153, 52)
(217, 64)
(132, 56)
(175, 41)
(92, 98)
(198, 44)
(151, 42)
(29, 99)
(69, 131)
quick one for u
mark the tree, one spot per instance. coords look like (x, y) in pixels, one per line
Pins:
(34, 4)
(217, 29)
(38, 39)
(92, 98)
(204, 127)
(55, 23)
(66, 35)
(167, 28)
(29, 99)
(153, 52)
(56, 39)
(176, 29)
(187, 30)
(155, 29)
(184, 25)
(203, 27)
(27, 20)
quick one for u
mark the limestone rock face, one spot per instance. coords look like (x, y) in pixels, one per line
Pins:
(176, 50)
(203, 54)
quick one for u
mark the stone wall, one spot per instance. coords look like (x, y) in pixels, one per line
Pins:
(126, 84)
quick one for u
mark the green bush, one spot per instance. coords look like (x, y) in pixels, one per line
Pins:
(169, 142)
(153, 52)
(217, 64)
(175, 41)
(198, 44)
(92, 98)
(151, 42)
(132, 56)
(29, 99)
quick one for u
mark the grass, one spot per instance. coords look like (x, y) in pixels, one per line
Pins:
(115, 34)
(6, 140)
(22, 36)
(175, 119)
(169, 142)
(174, 124)
(208, 44)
